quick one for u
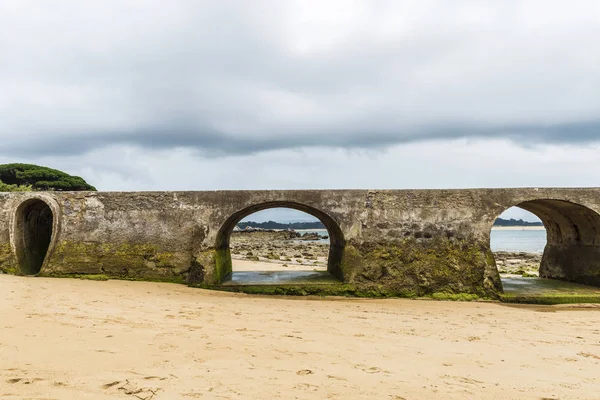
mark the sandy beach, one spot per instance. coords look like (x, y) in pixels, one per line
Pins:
(78, 339)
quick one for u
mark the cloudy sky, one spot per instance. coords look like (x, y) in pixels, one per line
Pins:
(202, 95)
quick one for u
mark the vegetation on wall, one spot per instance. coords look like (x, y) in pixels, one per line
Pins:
(29, 177)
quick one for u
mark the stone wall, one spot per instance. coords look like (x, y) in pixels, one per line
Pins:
(405, 242)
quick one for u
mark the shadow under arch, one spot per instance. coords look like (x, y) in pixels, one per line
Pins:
(336, 237)
(34, 233)
(572, 251)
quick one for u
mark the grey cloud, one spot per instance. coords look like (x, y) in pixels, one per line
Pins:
(212, 143)
(238, 77)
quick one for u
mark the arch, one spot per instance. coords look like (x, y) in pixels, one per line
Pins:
(572, 249)
(336, 237)
(34, 233)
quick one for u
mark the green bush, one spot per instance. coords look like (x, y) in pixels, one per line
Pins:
(14, 188)
(29, 177)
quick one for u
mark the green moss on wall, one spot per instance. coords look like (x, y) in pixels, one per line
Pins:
(223, 265)
(342, 289)
(551, 299)
(120, 260)
(209, 267)
(352, 263)
(489, 259)
(305, 290)
(8, 261)
(455, 296)
(409, 265)
(104, 277)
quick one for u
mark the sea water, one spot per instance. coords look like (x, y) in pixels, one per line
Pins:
(528, 241)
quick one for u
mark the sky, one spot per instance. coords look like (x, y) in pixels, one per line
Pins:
(286, 215)
(302, 94)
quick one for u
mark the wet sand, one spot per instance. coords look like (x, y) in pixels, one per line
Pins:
(67, 338)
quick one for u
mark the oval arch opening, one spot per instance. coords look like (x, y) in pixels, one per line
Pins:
(572, 240)
(33, 233)
(224, 264)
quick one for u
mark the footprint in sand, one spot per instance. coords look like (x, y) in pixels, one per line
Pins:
(24, 381)
(304, 372)
(371, 370)
(132, 389)
(111, 384)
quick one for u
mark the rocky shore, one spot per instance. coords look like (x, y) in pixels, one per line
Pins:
(290, 248)
(294, 249)
(518, 263)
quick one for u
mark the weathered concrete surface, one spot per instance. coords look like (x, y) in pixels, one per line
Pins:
(395, 241)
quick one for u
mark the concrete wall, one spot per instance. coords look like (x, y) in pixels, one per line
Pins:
(400, 241)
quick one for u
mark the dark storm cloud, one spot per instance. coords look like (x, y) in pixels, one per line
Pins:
(213, 144)
(238, 77)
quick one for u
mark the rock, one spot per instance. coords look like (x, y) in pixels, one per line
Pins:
(311, 236)
(518, 263)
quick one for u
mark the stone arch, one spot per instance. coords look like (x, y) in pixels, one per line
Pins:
(336, 236)
(572, 249)
(34, 230)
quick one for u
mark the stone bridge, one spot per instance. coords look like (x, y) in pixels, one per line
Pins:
(401, 242)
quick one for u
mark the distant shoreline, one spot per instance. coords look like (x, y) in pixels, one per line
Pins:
(494, 228)
(518, 228)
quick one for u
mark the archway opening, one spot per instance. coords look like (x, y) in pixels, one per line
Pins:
(280, 243)
(540, 243)
(518, 239)
(33, 233)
